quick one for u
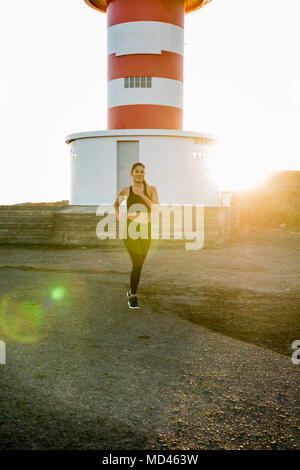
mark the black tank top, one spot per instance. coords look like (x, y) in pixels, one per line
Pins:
(135, 199)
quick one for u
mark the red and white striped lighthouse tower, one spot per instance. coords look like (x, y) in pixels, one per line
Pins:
(145, 46)
(145, 49)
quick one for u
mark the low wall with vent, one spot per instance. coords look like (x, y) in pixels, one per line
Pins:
(27, 224)
(79, 226)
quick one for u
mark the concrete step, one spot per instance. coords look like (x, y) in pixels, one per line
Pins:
(29, 207)
(22, 239)
(26, 215)
(57, 226)
(25, 223)
(88, 227)
(66, 216)
(37, 231)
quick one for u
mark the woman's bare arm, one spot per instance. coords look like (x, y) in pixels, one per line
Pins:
(154, 197)
(120, 197)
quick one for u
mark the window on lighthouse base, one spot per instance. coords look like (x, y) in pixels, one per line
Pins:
(138, 82)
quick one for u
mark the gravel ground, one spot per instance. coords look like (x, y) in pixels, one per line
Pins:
(204, 364)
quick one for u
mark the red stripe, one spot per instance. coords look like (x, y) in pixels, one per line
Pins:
(144, 116)
(166, 65)
(166, 11)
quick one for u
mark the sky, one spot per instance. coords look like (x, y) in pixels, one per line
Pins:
(241, 84)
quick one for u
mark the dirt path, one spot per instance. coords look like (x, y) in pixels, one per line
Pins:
(206, 363)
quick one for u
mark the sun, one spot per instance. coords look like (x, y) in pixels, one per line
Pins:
(234, 169)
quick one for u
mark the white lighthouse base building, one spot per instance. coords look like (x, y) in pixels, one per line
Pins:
(177, 163)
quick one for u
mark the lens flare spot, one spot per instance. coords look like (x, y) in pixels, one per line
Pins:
(24, 320)
(68, 297)
(58, 293)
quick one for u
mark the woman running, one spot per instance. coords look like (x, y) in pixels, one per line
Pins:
(138, 232)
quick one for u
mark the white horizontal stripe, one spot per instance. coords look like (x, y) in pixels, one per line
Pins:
(164, 91)
(144, 37)
(144, 132)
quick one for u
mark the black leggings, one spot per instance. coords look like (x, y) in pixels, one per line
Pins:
(137, 250)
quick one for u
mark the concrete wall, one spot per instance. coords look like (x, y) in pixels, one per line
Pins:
(170, 166)
(178, 177)
(93, 171)
(80, 225)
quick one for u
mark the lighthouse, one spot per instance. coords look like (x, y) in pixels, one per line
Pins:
(145, 54)
(145, 64)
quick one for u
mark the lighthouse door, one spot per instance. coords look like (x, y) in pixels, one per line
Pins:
(128, 154)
